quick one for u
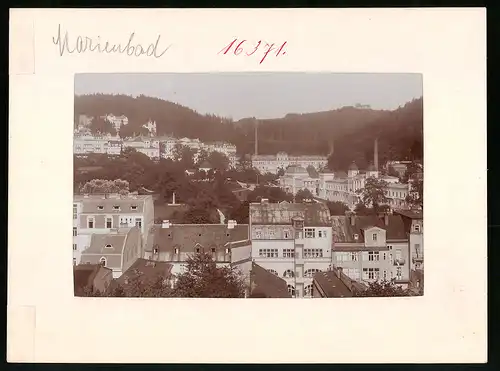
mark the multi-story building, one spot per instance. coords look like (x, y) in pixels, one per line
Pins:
(291, 240)
(372, 248)
(149, 146)
(102, 214)
(116, 250)
(151, 126)
(116, 121)
(414, 226)
(175, 243)
(273, 163)
(104, 144)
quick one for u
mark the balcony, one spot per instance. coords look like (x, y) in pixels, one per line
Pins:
(399, 261)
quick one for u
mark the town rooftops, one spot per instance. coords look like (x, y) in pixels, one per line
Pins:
(265, 284)
(335, 284)
(111, 243)
(344, 230)
(188, 237)
(146, 270)
(83, 276)
(265, 213)
(295, 169)
(412, 214)
(112, 203)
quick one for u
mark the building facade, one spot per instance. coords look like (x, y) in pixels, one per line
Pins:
(148, 146)
(102, 214)
(273, 163)
(292, 241)
(372, 248)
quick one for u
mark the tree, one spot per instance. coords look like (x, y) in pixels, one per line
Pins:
(362, 210)
(184, 155)
(240, 213)
(203, 279)
(337, 207)
(202, 157)
(281, 171)
(103, 186)
(373, 194)
(383, 288)
(303, 194)
(219, 161)
(392, 172)
(412, 169)
(101, 126)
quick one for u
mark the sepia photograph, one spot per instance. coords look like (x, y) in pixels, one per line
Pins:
(248, 185)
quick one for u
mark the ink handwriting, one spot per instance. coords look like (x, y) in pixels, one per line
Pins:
(82, 44)
(238, 47)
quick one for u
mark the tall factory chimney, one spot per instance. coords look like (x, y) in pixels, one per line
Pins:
(375, 154)
(256, 138)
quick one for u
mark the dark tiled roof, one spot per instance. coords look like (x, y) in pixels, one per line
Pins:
(412, 214)
(93, 203)
(83, 275)
(353, 166)
(187, 236)
(313, 173)
(331, 285)
(316, 214)
(148, 270)
(343, 231)
(163, 211)
(265, 284)
(340, 174)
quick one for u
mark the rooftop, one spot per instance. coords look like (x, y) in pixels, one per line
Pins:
(265, 284)
(314, 214)
(344, 232)
(412, 214)
(111, 243)
(331, 285)
(83, 275)
(147, 270)
(187, 237)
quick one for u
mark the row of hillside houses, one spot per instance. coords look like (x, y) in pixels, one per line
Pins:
(152, 146)
(339, 186)
(286, 246)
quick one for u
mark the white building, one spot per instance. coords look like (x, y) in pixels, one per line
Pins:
(106, 144)
(372, 248)
(102, 214)
(149, 146)
(151, 126)
(116, 121)
(273, 163)
(293, 241)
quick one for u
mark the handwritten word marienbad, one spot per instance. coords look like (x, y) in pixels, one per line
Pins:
(264, 49)
(82, 44)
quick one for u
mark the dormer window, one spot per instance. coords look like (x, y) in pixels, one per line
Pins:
(108, 246)
(417, 228)
(133, 207)
(155, 250)
(197, 250)
(213, 250)
(227, 251)
(100, 207)
(374, 237)
(356, 236)
(116, 207)
(176, 250)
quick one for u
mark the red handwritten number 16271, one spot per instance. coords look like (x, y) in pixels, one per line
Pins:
(238, 47)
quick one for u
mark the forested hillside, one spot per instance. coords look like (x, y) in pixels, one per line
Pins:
(351, 131)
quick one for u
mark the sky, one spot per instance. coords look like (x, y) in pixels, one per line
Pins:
(260, 95)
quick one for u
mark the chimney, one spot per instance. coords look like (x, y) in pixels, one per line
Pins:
(165, 224)
(264, 201)
(375, 154)
(231, 224)
(173, 198)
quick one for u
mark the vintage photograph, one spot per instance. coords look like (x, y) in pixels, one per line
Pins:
(248, 185)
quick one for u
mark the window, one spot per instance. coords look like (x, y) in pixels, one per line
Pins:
(311, 272)
(385, 256)
(389, 247)
(286, 234)
(109, 222)
(74, 261)
(103, 261)
(288, 253)
(385, 274)
(258, 234)
(75, 211)
(75, 231)
(227, 251)
(288, 274)
(268, 253)
(374, 237)
(354, 256)
(133, 207)
(138, 222)
(309, 232)
(108, 246)
(398, 254)
(197, 250)
(176, 251)
(320, 234)
(373, 256)
(213, 250)
(313, 253)
(417, 228)
(308, 290)
(273, 272)
(116, 207)
(100, 207)
(370, 273)
(75, 247)
(291, 290)
(417, 249)
(90, 223)
(399, 273)
(356, 236)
